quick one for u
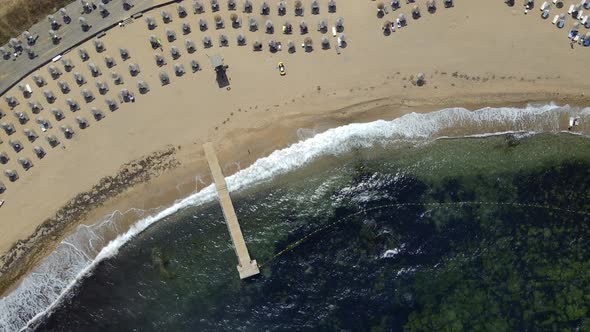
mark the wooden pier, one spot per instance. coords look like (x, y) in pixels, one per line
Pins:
(247, 267)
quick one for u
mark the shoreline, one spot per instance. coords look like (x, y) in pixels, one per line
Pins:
(153, 180)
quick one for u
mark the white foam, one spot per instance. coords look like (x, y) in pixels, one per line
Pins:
(77, 255)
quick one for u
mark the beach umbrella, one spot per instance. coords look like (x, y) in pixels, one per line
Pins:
(151, 23)
(195, 66)
(103, 10)
(576, 26)
(231, 4)
(190, 46)
(87, 95)
(8, 128)
(315, 7)
(30, 134)
(11, 101)
(98, 46)
(252, 24)
(174, 52)
(22, 117)
(298, 8)
(102, 87)
(202, 24)
(186, 28)
(164, 78)
(181, 10)
(15, 44)
(143, 87)
(264, 8)
(52, 140)
(11, 174)
(83, 54)
(269, 26)
(82, 122)
(303, 27)
(49, 96)
(4, 158)
(68, 65)
(420, 79)
(448, 3)
(332, 6)
(282, 8)
(235, 22)
(170, 35)
(117, 79)
(178, 69)
(387, 26)
(291, 46)
(65, 16)
(287, 27)
(53, 71)
(134, 69)
(16, 145)
(241, 39)
(308, 44)
(39, 152)
(110, 61)
(35, 107)
(198, 7)
(402, 19)
(431, 6)
(380, 7)
(218, 21)
(416, 12)
(214, 5)
(39, 80)
(247, 6)
(223, 40)
(58, 114)
(67, 131)
(154, 41)
(207, 42)
(166, 16)
(5, 54)
(25, 163)
(339, 24)
(30, 52)
(272, 45)
(94, 70)
(111, 104)
(322, 25)
(72, 104)
(96, 113)
(53, 22)
(2, 187)
(325, 43)
(256, 46)
(64, 87)
(79, 78)
(53, 36)
(160, 61)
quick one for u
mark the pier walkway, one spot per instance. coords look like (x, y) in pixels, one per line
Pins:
(246, 266)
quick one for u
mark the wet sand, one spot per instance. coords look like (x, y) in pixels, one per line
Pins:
(474, 55)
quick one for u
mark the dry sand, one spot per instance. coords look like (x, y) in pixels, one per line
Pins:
(479, 53)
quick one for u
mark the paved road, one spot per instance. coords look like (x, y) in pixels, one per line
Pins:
(13, 69)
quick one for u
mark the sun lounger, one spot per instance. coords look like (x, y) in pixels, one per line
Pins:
(580, 14)
(399, 24)
(555, 19)
(333, 31)
(544, 5)
(576, 38)
(571, 9)
(555, 1)
(584, 19)
(1, 203)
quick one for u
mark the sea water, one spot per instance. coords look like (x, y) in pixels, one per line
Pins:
(368, 226)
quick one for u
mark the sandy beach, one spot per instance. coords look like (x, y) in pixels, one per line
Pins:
(147, 154)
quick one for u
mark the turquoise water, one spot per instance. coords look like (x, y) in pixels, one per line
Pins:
(454, 234)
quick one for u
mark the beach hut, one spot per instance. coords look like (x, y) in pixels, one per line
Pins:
(111, 104)
(186, 28)
(195, 66)
(178, 69)
(102, 87)
(282, 8)
(134, 68)
(87, 95)
(264, 8)
(235, 20)
(416, 12)
(22, 117)
(64, 87)
(207, 42)
(67, 131)
(143, 87)
(98, 45)
(11, 174)
(252, 24)
(25, 163)
(79, 78)
(247, 6)
(83, 54)
(291, 47)
(35, 107)
(303, 27)
(202, 24)
(82, 122)
(181, 10)
(52, 140)
(39, 152)
(68, 65)
(298, 7)
(269, 27)
(223, 41)
(308, 44)
(214, 5)
(315, 7)
(74, 106)
(103, 10)
(39, 80)
(231, 4)
(65, 16)
(54, 72)
(241, 39)
(257, 46)
(190, 46)
(97, 114)
(94, 70)
(164, 78)
(322, 26)
(160, 61)
(151, 23)
(332, 6)
(16, 145)
(166, 17)
(170, 35)
(325, 43)
(30, 134)
(198, 7)
(110, 61)
(8, 128)
(57, 114)
(339, 24)
(4, 158)
(49, 96)
(218, 22)
(431, 6)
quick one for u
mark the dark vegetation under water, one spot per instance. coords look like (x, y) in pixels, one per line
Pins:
(458, 235)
